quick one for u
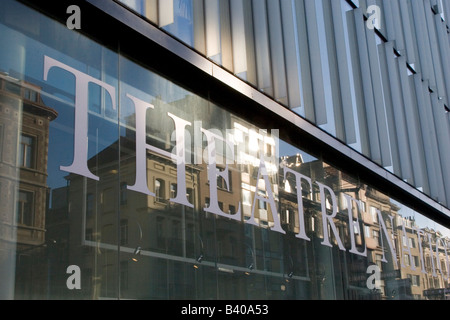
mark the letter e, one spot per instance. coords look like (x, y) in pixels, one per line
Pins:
(74, 281)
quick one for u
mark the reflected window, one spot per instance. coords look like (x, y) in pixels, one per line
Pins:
(109, 198)
(378, 261)
(12, 87)
(412, 243)
(1, 142)
(415, 280)
(124, 275)
(376, 236)
(367, 232)
(374, 214)
(246, 197)
(123, 194)
(25, 208)
(362, 206)
(89, 204)
(159, 190)
(123, 231)
(160, 236)
(190, 195)
(415, 261)
(406, 259)
(221, 183)
(26, 151)
(30, 95)
(89, 234)
(173, 190)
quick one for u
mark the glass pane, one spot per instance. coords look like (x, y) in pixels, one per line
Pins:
(58, 211)
(141, 189)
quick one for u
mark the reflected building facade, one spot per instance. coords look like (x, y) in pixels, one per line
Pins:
(218, 166)
(24, 126)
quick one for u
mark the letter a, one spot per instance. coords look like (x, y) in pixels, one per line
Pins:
(74, 21)
(374, 19)
(74, 281)
(373, 281)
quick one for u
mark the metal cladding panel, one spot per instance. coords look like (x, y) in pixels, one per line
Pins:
(308, 110)
(388, 102)
(238, 38)
(291, 53)
(371, 118)
(423, 42)
(277, 52)
(434, 48)
(262, 47)
(378, 96)
(436, 184)
(406, 15)
(399, 115)
(446, 10)
(316, 62)
(343, 78)
(212, 30)
(444, 49)
(413, 130)
(443, 137)
(399, 38)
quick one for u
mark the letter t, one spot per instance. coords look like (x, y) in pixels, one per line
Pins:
(80, 153)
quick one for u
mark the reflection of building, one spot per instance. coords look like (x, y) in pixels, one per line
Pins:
(409, 254)
(24, 138)
(436, 260)
(146, 223)
(427, 273)
(303, 67)
(373, 203)
(367, 233)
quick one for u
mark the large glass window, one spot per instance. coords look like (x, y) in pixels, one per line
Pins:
(155, 192)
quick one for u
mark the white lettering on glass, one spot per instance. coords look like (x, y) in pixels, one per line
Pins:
(233, 140)
(262, 172)
(213, 174)
(301, 218)
(388, 237)
(329, 217)
(80, 154)
(353, 222)
(141, 184)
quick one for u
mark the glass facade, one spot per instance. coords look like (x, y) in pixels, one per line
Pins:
(116, 182)
(375, 74)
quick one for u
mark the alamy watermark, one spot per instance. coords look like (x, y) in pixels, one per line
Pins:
(374, 280)
(74, 20)
(374, 17)
(373, 20)
(74, 280)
